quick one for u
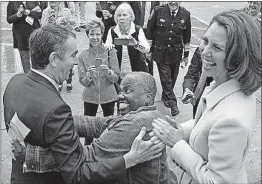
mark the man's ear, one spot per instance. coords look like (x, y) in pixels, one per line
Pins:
(53, 58)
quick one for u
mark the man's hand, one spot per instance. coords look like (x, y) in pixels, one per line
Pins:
(149, 56)
(27, 12)
(20, 11)
(187, 96)
(184, 62)
(18, 150)
(106, 14)
(142, 151)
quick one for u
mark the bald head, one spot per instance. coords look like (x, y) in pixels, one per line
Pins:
(142, 79)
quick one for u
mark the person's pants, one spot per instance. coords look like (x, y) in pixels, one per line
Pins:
(168, 74)
(80, 9)
(69, 80)
(150, 65)
(90, 109)
(25, 59)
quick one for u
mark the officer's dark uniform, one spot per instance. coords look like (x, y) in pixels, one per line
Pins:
(193, 75)
(169, 35)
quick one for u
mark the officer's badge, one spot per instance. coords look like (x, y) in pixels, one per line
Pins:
(182, 21)
(162, 20)
(113, 7)
(151, 15)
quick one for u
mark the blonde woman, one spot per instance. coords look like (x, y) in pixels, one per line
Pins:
(132, 52)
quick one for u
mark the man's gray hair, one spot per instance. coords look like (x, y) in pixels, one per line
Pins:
(45, 40)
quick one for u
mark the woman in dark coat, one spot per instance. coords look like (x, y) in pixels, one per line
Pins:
(24, 18)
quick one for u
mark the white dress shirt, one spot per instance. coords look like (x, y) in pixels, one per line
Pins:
(47, 77)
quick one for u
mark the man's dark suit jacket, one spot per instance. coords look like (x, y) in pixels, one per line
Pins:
(137, 9)
(21, 29)
(40, 107)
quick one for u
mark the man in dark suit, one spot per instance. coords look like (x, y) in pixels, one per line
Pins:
(25, 19)
(142, 11)
(149, 6)
(34, 97)
(169, 33)
(191, 80)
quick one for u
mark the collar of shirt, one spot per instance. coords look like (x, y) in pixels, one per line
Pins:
(120, 35)
(47, 77)
(213, 94)
(174, 11)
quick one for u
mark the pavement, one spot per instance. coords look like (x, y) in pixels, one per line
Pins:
(201, 14)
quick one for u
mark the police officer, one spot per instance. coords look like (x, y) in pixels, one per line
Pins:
(169, 33)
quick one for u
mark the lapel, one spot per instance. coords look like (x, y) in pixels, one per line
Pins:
(178, 14)
(43, 81)
(210, 98)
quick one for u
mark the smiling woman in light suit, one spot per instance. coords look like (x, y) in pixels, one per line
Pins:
(212, 148)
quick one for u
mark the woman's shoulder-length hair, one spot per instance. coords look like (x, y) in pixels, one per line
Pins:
(243, 49)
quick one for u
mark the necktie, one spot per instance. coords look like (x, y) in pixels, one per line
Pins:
(200, 87)
(173, 13)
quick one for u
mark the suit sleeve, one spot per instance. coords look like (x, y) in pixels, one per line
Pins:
(151, 26)
(11, 13)
(195, 68)
(187, 32)
(115, 142)
(227, 142)
(90, 127)
(69, 155)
